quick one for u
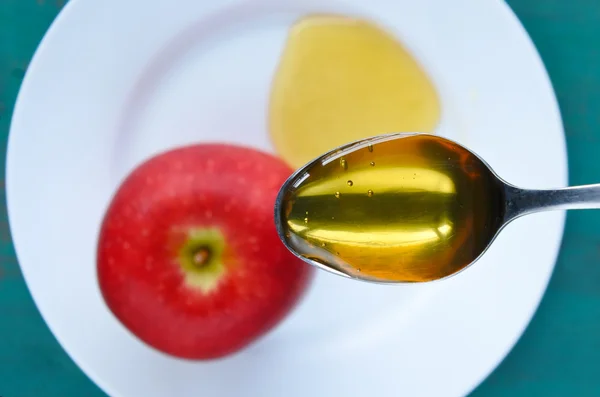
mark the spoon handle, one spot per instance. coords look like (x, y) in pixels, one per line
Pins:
(525, 201)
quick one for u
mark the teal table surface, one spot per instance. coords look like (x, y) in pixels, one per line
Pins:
(558, 355)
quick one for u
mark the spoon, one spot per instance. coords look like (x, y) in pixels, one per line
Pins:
(403, 208)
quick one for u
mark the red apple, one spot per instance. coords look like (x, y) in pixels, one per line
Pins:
(188, 255)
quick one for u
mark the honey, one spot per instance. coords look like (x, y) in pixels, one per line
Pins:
(417, 208)
(341, 79)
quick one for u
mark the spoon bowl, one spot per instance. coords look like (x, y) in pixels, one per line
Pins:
(405, 207)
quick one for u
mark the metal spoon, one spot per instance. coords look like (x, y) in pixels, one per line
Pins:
(405, 208)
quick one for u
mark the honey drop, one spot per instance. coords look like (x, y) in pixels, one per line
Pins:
(341, 79)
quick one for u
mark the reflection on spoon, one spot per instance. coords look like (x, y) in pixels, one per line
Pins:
(404, 208)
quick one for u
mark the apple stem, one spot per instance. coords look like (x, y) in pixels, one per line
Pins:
(201, 257)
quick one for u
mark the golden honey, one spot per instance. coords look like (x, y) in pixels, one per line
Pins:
(412, 209)
(342, 79)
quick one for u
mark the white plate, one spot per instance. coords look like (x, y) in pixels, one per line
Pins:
(115, 81)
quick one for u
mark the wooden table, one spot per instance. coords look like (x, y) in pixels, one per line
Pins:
(559, 354)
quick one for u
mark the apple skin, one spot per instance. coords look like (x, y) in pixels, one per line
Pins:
(188, 256)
